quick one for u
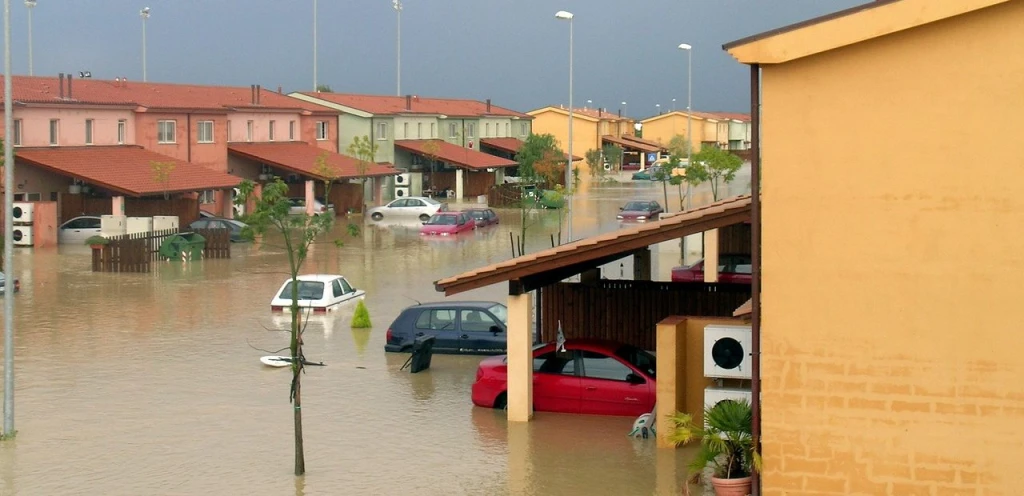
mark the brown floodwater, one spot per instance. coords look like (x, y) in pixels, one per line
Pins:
(131, 384)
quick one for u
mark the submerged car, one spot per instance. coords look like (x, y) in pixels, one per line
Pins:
(77, 230)
(474, 327)
(235, 226)
(3, 284)
(593, 377)
(318, 292)
(640, 211)
(482, 216)
(447, 224)
(732, 268)
(412, 206)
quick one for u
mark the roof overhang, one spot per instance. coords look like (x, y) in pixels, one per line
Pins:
(547, 267)
(575, 115)
(331, 105)
(456, 155)
(634, 145)
(301, 158)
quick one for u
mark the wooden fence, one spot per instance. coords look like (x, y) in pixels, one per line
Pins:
(629, 311)
(504, 195)
(136, 252)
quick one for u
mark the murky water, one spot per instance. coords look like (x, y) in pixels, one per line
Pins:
(150, 384)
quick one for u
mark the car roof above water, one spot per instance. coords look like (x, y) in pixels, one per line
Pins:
(448, 304)
(317, 277)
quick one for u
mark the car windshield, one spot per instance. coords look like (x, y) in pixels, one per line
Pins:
(478, 214)
(636, 206)
(308, 290)
(638, 358)
(442, 220)
(501, 312)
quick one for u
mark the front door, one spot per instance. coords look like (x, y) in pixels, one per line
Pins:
(606, 390)
(478, 331)
(556, 387)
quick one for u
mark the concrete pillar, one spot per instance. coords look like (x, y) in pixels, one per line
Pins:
(670, 349)
(117, 205)
(711, 256)
(642, 265)
(520, 463)
(310, 196)
(520, 357)
(227, 203)
(499, 175)
(459, 179)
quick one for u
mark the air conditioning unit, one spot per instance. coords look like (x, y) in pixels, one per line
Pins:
(139, 225)
(113, 225)
(716, 395)
(165, 222)
(401, 191)
(727, 351)
(403, 179)
(23, 212)
(22, 235)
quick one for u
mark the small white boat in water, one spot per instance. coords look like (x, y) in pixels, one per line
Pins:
(284, 361)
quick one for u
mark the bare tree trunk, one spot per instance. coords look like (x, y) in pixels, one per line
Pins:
(300, 457)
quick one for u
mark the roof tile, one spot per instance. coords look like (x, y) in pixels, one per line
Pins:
(456, 154)
(397, 105)
(300, 158)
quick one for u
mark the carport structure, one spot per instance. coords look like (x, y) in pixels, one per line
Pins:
(547, 268)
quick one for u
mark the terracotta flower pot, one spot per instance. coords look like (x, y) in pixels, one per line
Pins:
(731, 487)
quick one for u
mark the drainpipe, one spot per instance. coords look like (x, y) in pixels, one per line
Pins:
(188, 136)
(755, 255)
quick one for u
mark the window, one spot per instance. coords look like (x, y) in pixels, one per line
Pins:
(598, 366)
(501, 312)
(17, 133)
(472, 129)
(345, 286)
(522, 129)
(382, 131)
(204, 132)
(270, 131)
(487, 130)
(122, 131)
(453, 130)
(165, 131)
(432, 130)
(88, 131)
(336, 288)
(405, 130)
(419, 130)
(207, 197)
(554, 362)
(322, 131)
(638, 358)
(291, 130)
(436, 319)
(54, 129)
(28, 197)
(508, 131)
(229, 130)
(477, 321)
(249, 128)
(308, 290)
(83, 223)
(411, 202)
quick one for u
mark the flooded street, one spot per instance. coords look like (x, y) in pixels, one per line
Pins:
(132, 384)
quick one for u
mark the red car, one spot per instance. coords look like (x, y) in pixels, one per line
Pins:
(483, 216)
(448, 223)
(731, 269)
(593, 377)
(640, 211)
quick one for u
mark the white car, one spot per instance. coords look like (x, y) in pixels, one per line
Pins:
(78, 229)
(298, 206)
(412, 206)
(318, 292)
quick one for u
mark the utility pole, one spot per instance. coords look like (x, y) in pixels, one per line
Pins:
(397, 4)
(8, 232)
(316, 87)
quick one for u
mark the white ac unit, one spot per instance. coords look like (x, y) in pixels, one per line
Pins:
(113, 225)
(403, 179)
(401, 191)
(727, 351)
(139, 225)
(22, 235)
(23, 212)
(716, 395)
(165, 222)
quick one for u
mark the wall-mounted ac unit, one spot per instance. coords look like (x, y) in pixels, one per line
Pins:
(403, 179)
(401, 192)
(22, 235)
(727, 351)
(113, 225)
(23, 212)
(715, 395)
(165, 222)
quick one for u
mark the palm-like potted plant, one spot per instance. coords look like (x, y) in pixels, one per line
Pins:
(97, 242)
(727, 446)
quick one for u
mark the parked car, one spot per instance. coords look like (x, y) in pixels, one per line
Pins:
(482, 216)
(649, 174)
(221, 223)
(320, 292)
(447, 224)
(457, 326)
(411, 206)
(593, 377)
(3, 284)
(298, 206)
(640, 211)
(78, 229)
(733, 268)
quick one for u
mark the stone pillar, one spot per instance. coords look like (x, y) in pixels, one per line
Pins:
(310, 196)
(642, 265)
(117, 205)
(499, 175)
(520, 357)
(670, 349)
(711, 256)
(459, 179)
(520, 463)
(227, 203)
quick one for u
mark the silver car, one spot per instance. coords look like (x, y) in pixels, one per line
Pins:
(298, 206)
(411, 206)
(78, 229)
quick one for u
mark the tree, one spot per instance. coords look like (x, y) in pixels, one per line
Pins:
(613, 155)
(298, 233)
(431, 149)
(532, 150)
(679, 146)
(364, 150)
(162, 173)
(324, 88)
(713, 164)
(595, 161)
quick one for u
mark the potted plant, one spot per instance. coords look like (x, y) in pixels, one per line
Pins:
(97, 242)
(726, 446)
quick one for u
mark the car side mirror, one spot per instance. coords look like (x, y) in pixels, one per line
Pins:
(495, 329)
(635, 379)
(621, 208)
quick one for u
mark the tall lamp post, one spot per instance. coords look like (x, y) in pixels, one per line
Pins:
(689, 111)
(30, 4)
(316, 87)
(397, 4)
(8, 232)
(566, 16)
(144, 13)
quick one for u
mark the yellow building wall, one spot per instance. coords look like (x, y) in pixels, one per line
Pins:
(892, 264)
(662, 130)
(585, 135)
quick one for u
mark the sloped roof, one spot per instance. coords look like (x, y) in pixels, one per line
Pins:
(301, 158)
(456, 154)
(512, 145)
(125, 169)
(396, 105)
(635, 145)
(586, 113)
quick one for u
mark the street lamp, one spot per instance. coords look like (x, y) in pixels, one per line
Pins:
(316, 87)
(625, 110)
(565, 16)
(8, 231)
(30, 4)
(689, 111)
(590, 103)
(657, 106)
(144, 13)
(673, 104)
(397, 5)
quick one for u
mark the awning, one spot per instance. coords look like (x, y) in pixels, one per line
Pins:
(632, 145)
(301, 158)
(511, 145)
(455, 154)
(745, 309)
(643, 141)
(555, 264)
(126, 170)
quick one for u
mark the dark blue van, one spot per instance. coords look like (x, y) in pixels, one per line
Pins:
(474, 327)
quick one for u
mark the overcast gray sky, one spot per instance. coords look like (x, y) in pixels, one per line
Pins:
(512, 51)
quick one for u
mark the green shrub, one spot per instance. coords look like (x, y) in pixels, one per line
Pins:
(361, 319)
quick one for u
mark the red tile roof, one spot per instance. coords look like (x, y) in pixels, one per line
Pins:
(125, 169)
(396, 105)
(46, 89)
(512, 145)
(300, 158)
(457, 155)
(733, 115)
(589, 112)
(633, 145)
